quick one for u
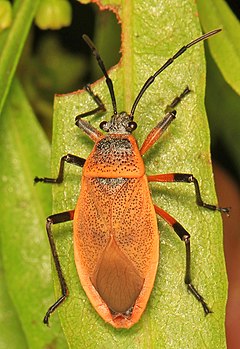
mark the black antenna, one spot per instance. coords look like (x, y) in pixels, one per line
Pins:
(102, 66)
(151, 79)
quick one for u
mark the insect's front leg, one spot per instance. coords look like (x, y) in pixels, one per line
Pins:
(177, 99)
(158, 130)
(91, 131)
(97, 100)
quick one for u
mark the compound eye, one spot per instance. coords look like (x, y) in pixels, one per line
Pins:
(132, 125)
(104, 126)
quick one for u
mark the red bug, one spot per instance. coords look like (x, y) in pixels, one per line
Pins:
(116, 242)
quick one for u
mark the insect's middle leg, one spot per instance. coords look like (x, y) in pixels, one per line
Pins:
(158, 130)
(187, 178)
(55, 219)
(69, 158)
(185, 237)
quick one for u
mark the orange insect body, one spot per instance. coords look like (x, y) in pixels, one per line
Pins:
(115, 231)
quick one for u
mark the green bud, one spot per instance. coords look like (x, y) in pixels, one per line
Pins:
(5, 14)
(53, 14)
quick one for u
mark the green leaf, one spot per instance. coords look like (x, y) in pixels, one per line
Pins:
(226, 48)
(12, 42)
(151, 33)
(223, 107)
(223, 89)
(9, 321)
(25, 273)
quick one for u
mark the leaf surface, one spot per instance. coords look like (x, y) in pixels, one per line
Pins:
(12, 42)
(25, 271)
(151, 33)
(223, 89)
(225, 49)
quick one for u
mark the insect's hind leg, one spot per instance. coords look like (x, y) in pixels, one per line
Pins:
(97, 100)
(55, 219)
(177, 100)
(185, 237)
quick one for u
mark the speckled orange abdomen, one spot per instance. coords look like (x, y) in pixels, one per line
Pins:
(116, 239)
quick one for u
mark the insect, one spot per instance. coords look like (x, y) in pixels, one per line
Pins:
(116, 239)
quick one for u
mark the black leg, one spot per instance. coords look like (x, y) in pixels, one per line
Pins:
(55, 219)
(158, 130)
(177, 100)
(97, 100)
(91, 131)
(187, 178)
(185, 237)
(69, 158)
